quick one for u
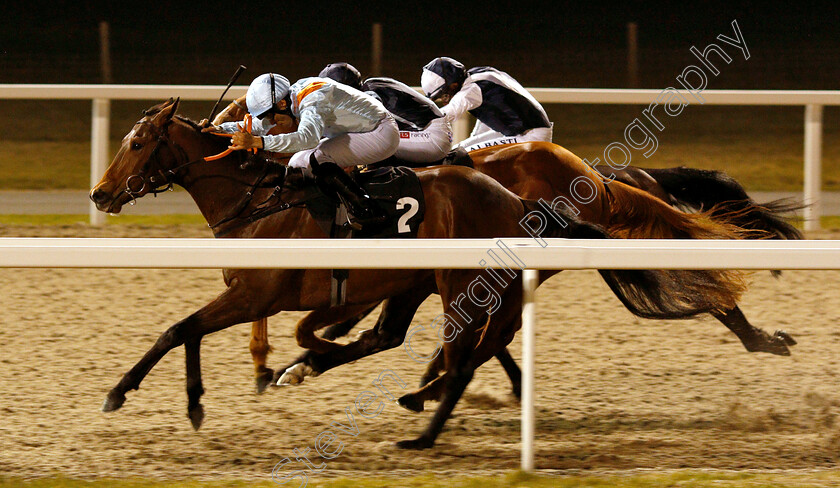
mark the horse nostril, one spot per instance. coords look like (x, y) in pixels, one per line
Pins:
(98, 196)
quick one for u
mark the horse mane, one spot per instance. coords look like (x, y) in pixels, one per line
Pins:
(157, 108)
(190, 122)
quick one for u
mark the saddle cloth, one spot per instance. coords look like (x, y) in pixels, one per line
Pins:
(396, 190)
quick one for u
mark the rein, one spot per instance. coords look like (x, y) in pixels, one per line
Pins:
(169, 175)
(248, 125)
(167, 179)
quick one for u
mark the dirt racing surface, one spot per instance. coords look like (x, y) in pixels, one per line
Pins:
(613, 391)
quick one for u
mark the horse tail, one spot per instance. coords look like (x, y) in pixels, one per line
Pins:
(653, 294)
(700, 189)
(635, 214)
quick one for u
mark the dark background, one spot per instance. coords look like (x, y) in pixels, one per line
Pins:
(560, 44)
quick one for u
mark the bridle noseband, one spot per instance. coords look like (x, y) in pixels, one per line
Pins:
(167, 177)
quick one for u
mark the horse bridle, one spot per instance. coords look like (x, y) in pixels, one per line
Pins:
(167, 176)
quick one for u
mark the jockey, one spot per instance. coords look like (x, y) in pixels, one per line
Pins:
(338, 127)
(425, 134)
(506, 112)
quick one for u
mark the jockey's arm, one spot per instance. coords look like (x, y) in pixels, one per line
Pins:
(308, 134)
(260, 127)
(235, 110)
(468, 98)
(312, 116)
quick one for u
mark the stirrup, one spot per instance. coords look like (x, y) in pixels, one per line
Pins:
(359, 217)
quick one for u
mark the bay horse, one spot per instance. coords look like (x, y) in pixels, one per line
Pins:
(163, 149)
(682, 187)
(540, 170)
(533, 170)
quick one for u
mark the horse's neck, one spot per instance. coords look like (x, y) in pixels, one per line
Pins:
(217, 187)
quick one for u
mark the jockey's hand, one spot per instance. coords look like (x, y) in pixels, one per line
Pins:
(243, 140)
(206, 126)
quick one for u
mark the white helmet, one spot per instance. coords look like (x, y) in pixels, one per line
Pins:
(264, 93)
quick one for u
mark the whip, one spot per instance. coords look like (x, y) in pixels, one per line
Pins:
(233, 79)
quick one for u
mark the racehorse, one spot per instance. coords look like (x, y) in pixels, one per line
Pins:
(682, 187)
(543, 170)
(162, 150)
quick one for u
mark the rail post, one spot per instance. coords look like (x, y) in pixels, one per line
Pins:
(530, 279)
(460, 129)
(99, 131)
(813, 165)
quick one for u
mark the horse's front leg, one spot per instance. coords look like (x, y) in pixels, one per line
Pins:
(195, 388)
(260, 348)
(233, 306)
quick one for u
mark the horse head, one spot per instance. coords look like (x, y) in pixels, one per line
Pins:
(144, 163)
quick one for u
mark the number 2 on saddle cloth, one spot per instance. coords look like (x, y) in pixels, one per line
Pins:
(396, 189)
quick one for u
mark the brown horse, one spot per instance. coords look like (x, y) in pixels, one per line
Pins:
(546, 171)
(162, 150)
(682, 187)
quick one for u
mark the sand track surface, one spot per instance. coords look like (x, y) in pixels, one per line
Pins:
(613, 391)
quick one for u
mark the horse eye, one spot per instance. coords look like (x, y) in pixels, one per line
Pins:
(136, 146)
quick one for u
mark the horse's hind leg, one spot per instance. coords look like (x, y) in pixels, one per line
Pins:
(260, 348)
(389, 332)
(753, 338)
(453, 382)
(429, 390)
(460, 350)
(505, 359)
(195, 388)
(512, 370)
(433, 390)
(354, 315)
(469, 349)
(433, 370)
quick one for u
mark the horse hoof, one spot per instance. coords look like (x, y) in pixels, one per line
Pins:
(416, 444)
(777, 346)
(264, 380)
(196, 416)
(409, 402)
(294, 375)
(784, 336)
(113, 402)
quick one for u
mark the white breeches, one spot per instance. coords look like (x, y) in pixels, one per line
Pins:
(354, 148)
(428, 145)
(483, 136)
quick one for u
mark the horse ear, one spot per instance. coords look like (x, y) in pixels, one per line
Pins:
(170, 107)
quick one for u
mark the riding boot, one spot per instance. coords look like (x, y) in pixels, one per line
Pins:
(364, 210)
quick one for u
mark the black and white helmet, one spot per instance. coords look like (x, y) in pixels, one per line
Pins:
(344, 73)
(439, 75)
